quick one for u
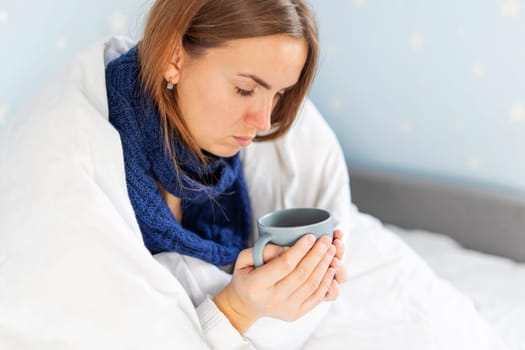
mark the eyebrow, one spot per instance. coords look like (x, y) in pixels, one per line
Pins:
(261, 82)
(257, 80)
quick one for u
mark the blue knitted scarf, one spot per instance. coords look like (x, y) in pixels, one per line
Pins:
(215, 205)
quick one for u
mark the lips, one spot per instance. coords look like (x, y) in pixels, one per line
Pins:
(243, 140)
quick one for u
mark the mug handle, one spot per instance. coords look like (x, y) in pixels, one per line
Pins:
(258, 249)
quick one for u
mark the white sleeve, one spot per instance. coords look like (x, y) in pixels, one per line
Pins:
(201, 281)
(218, 330)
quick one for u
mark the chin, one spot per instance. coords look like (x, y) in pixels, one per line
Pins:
(224, 152)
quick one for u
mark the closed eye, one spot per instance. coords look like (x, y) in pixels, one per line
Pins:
(244, 93)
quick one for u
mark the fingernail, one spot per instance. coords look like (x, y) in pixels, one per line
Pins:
(310, 239)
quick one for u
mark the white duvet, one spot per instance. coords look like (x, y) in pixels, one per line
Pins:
(74, 273)
(495, 284)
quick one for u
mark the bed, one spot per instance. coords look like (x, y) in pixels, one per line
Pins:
(471, 236)
(111, 293)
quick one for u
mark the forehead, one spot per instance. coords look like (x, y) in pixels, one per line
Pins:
(278, 59)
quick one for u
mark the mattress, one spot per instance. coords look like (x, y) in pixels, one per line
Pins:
(495, 284)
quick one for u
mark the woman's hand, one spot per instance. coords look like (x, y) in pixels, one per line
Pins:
(340, 270)
(291, 282)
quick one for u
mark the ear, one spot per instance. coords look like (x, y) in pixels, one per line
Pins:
(172, 72)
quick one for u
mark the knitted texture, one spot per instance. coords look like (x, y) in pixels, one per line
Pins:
(215, 205)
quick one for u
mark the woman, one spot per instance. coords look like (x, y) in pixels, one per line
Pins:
(208, 78)
(74, 271)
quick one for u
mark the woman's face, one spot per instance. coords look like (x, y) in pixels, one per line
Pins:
(227, 95)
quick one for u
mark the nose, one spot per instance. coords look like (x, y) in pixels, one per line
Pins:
(260, 116)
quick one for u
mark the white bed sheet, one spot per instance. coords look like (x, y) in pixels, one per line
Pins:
(495, 284)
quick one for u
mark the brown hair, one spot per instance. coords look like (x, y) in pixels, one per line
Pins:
(204, 24)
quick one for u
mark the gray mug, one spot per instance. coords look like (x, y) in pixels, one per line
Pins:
(285, 227)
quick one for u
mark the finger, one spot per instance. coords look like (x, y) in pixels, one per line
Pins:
(282, 265)
(320, 293)
(305, 280)
(245, 258)
(341, 274)
(272, 251)
(338, 234)
(340, 248)
(333, 291)
(305, 268)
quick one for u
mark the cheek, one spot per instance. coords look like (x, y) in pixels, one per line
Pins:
(224, 108)
(211, 106)
(199, 103)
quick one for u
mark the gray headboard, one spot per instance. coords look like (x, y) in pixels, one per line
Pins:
(488, 221)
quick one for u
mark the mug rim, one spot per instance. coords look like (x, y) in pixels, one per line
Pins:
(328, 217)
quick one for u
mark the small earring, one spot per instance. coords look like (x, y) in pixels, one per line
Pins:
(169, 86)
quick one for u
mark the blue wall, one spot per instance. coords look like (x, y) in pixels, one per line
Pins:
(431, 87)
(38, 38)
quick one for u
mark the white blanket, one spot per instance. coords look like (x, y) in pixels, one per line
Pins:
(495, 284)
(74, 273)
